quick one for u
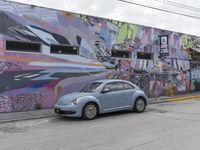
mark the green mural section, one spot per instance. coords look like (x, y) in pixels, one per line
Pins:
(126, 31)
(186, 41)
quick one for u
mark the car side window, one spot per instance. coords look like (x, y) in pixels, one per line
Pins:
(127, 86)
(112, 86)
(118, 86)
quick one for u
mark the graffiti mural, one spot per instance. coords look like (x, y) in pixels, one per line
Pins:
(35, 80)
(25, 101)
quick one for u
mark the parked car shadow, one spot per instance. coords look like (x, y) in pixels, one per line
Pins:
(101, 116)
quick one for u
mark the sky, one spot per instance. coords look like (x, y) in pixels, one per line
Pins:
(114, 9)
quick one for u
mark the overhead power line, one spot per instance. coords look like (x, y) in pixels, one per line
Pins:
(179, 5)
(160, 9)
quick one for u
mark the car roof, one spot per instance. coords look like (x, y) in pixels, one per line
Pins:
(110, 80)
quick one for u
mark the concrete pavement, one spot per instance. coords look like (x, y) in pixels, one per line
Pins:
(17, 116)
(163, 126)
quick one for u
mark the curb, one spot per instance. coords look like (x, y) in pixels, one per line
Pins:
(183, 98)
(28, 118)
(177, 99)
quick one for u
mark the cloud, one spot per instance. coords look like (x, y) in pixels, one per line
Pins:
(116, 10)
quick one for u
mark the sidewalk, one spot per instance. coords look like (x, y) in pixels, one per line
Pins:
(37, 114)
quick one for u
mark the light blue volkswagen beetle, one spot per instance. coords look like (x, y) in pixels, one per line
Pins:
(102, 96)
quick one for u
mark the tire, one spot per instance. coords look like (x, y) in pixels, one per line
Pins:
(90, 111)
(140, 105)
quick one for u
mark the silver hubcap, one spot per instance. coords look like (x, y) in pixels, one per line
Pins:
(90, 111)
(140, 105)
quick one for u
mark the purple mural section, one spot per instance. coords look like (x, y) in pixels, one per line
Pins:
(160, 62)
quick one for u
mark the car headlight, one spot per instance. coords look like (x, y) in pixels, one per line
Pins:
(76, 101)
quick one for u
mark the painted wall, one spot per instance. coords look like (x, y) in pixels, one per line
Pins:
(36, 80)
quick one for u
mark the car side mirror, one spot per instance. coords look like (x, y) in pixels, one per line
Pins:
(106, 90)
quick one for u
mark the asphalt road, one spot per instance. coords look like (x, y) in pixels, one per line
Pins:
(164, 126)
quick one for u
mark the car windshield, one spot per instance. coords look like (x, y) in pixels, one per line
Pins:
(92, 87)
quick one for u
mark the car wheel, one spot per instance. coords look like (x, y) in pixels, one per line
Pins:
(89, 111)
(140, 105)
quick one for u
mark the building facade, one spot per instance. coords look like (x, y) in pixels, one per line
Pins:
(45, 54)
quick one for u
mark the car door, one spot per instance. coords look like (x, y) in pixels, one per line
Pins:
(117, 98)
(127, 93)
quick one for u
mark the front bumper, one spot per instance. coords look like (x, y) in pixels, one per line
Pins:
(68, 110)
